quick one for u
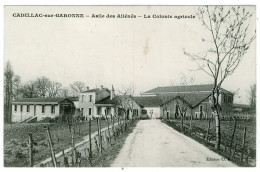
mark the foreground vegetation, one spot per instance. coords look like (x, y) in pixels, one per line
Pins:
(16, 140)
(111, 152)
(199, 130)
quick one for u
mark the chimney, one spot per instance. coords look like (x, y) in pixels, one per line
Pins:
(101, 87)
(112, 93)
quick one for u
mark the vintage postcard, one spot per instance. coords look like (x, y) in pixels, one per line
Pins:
(129, 86)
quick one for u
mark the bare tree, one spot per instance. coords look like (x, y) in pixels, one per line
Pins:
(181, 104)
(125, 102)
(252, 96)
(29, 90)
(42, 85)
(228, 43)
(10, 80)
(77, 87)
(64, 92)
(17, 87)
(54, 89)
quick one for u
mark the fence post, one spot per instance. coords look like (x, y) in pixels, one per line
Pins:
(79, 130)
(90, 162)
(233, 155)
(247, 156)
(207, 136)
(48, 134)
(90, 144)
(108, 130)
(96, 145)
(99, 135)
(65, 159)
(30, 150)
(73, 145)
(243, 145)
(233, 135)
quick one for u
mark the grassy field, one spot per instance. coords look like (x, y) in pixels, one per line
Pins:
(16, 140)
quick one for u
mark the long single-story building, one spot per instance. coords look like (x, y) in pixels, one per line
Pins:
(39, 108)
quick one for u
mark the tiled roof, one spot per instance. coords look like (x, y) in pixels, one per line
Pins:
(149, 101)
(193, 99)
(183, 89)
(107, 101)
(73, 98)
(188, 88)
(40, 99)
(115, 100)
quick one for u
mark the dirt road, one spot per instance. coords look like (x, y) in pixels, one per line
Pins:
(154, 144)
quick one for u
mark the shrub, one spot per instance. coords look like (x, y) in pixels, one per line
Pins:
(48, 120)
(43, 143)
(14, 141)
(19, 153)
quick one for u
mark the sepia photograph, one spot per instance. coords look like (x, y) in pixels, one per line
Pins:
(129, 86)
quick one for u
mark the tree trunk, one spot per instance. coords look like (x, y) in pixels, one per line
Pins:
(215, 95)
(190, 120)
(233, 134)
(218, 134)
(182, 129)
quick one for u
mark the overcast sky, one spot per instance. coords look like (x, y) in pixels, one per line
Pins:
(145, 52)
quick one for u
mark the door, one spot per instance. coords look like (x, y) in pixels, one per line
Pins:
(66, 111)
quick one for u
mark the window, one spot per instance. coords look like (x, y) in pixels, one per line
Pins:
(15, 108)
(28, 108)
(90, 98)
(53, 109)
(82, 98)
(89, 111)
(229, 99)
(201, 108)
(21, 108)
(43, 108)
(81, 111)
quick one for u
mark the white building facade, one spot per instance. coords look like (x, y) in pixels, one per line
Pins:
(39, 108)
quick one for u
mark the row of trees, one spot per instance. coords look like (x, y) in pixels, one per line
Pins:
(40, 87)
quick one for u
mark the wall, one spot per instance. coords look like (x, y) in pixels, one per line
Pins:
(47, 112)
(206, 111)
(19, 116)
(153, 112)
(86, 104)
(171, 108)
(226, 105)
(191, 111)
